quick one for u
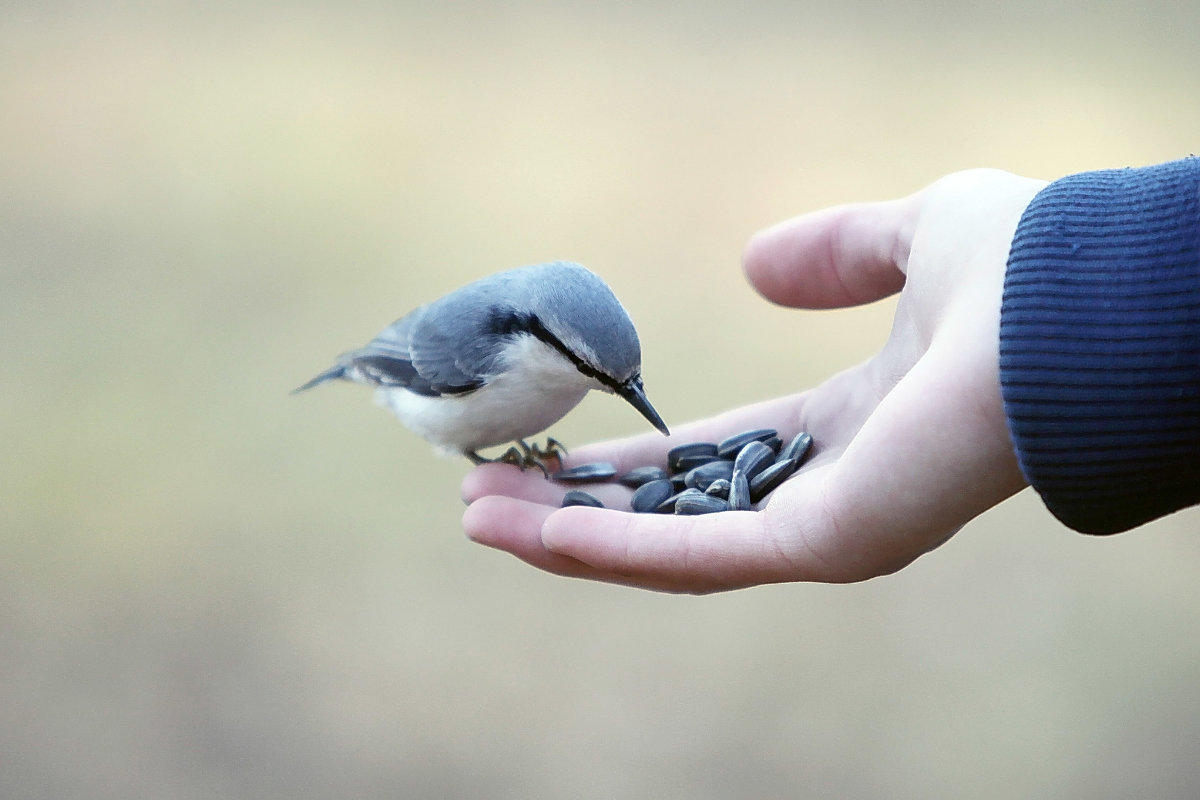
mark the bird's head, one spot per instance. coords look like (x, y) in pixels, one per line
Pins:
(576, 313)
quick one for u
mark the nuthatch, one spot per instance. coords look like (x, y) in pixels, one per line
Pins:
(501, 359)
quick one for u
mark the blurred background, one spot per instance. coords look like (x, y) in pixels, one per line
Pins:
(211, 589)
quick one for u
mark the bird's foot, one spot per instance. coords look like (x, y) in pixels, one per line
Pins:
(554, 449)
(525, 456)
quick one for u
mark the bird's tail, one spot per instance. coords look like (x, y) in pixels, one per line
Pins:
(336, 371)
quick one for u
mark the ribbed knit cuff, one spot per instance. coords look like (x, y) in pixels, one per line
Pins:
(1100, 345)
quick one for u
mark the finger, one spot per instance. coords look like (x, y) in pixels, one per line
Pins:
(531, 485)
(515, 527)
(837, 257)
(698, 554)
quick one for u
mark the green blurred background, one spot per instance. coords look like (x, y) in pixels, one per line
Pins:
(211, 589)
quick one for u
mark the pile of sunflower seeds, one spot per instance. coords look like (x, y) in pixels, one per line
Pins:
(701, 477)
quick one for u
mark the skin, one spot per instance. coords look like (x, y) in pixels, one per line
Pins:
(910, 445)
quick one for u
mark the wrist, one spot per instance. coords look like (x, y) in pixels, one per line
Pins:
(1099, 349)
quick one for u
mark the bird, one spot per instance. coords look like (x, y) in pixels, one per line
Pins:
(502, 359)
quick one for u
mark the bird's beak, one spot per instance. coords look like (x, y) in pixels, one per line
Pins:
(633, 391)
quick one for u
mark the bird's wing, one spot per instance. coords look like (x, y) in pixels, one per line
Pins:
(435, 351)
(456, 346)
(387, 359)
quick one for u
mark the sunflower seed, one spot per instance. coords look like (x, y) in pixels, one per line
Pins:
(641, 476)
(683, 457)
(797, 448)
(699, 503)
(703, 475)
(650, 496)
(688, 463)
(577, 498)
(729, 447)
(719, 488)
(586, 473)
(769, 479)
(668, 506)
(739, 491)
(753, 459)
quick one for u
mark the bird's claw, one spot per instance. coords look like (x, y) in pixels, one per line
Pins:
(523, 459)
(526, 456)
(554, 449)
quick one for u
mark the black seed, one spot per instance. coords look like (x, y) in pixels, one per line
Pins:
(677, 480)
(641, 476)
(754, 458)
(695, 450)
(729, 447)
(578, 498)
(668, 506)
(739, 491)
(767, 480)
(797, 448)
(649, 496)
(703, 475)
(719, 488)
(586, 473)
(686, 463)
(775, 443)
(699, 504)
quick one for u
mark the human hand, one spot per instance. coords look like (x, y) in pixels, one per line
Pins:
(909, 445)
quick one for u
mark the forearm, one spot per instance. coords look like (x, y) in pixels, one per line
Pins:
(1100, 345)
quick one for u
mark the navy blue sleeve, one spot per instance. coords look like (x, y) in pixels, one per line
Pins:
(1100, 345)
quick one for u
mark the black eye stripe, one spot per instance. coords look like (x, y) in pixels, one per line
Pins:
(511, 323)
(543, 334)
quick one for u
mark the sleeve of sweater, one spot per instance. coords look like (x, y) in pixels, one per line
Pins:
(1100, 345)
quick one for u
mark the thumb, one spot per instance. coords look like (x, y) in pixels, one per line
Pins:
(837, 257)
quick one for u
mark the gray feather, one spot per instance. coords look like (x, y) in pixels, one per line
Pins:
(455, 344)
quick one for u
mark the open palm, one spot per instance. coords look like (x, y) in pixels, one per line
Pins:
(910, 444)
